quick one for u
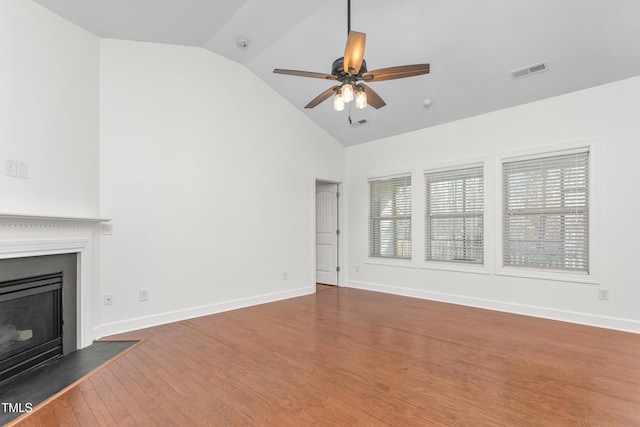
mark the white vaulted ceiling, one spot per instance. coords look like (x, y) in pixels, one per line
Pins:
(472, 46)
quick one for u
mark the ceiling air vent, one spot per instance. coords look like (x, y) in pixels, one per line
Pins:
(529, 71)
(358, 123)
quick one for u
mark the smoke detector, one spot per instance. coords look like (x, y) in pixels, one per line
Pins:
(241, 42)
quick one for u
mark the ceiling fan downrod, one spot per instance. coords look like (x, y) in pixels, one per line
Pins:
(348, 17)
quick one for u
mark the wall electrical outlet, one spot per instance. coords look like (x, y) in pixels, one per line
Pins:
(107, 229)
(357, 269)
(285, 275)
(108, 299)
(144, 294)
(603, 294)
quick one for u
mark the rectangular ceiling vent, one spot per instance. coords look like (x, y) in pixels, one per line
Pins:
(357, 123)
(529, 71)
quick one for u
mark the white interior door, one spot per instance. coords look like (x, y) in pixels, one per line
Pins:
(327, 233)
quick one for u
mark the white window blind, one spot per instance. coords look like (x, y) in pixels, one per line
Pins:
(390, 217)
(546, 212)
(454, 215)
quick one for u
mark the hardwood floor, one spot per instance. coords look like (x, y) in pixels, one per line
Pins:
(346, 357)
(323, 287)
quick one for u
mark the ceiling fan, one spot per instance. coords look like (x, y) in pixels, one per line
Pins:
(351, 71)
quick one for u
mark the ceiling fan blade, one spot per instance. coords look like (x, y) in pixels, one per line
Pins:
(354, 52)
(322, 97)
(399, 72)
(373, 98)
(305, 74)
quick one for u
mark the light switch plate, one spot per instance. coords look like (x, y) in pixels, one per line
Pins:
(23, 170)
(10, 167)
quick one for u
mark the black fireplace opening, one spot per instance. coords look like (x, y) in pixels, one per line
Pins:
(31, 323)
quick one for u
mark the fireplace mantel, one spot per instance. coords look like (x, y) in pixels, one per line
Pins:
(34, 235)
(17, 220)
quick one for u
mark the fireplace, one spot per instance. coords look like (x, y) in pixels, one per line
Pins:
(33, 246)
(38, 306)
(30, 323)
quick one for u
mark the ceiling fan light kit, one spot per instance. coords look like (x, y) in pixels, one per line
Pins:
(346, 90)
(338, 102)
(351, 70)
(361, 99)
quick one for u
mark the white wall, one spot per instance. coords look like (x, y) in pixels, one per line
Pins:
(48, 112)
(608, 113)
(209, 177)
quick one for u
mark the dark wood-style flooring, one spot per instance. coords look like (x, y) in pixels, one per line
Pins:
(347, 357)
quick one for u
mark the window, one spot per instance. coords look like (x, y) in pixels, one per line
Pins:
(545, 210)
(454, 215)
(390, 217)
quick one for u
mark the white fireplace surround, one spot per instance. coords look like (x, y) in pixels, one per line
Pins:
(29, 235)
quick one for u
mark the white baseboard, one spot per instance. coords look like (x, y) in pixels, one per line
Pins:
(189, 313)
(617, 323)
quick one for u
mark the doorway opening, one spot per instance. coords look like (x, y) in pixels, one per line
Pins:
(328, 238)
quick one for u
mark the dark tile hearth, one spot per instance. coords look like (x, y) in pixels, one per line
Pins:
(44, 381)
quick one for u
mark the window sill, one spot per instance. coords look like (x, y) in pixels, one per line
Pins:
(459, 268)
(391, 262)
(547, 275)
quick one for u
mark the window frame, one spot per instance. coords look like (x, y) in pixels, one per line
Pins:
(391, 261)
(541, 273)
(487, 265)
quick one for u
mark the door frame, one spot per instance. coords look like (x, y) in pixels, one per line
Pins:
(341, 247)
